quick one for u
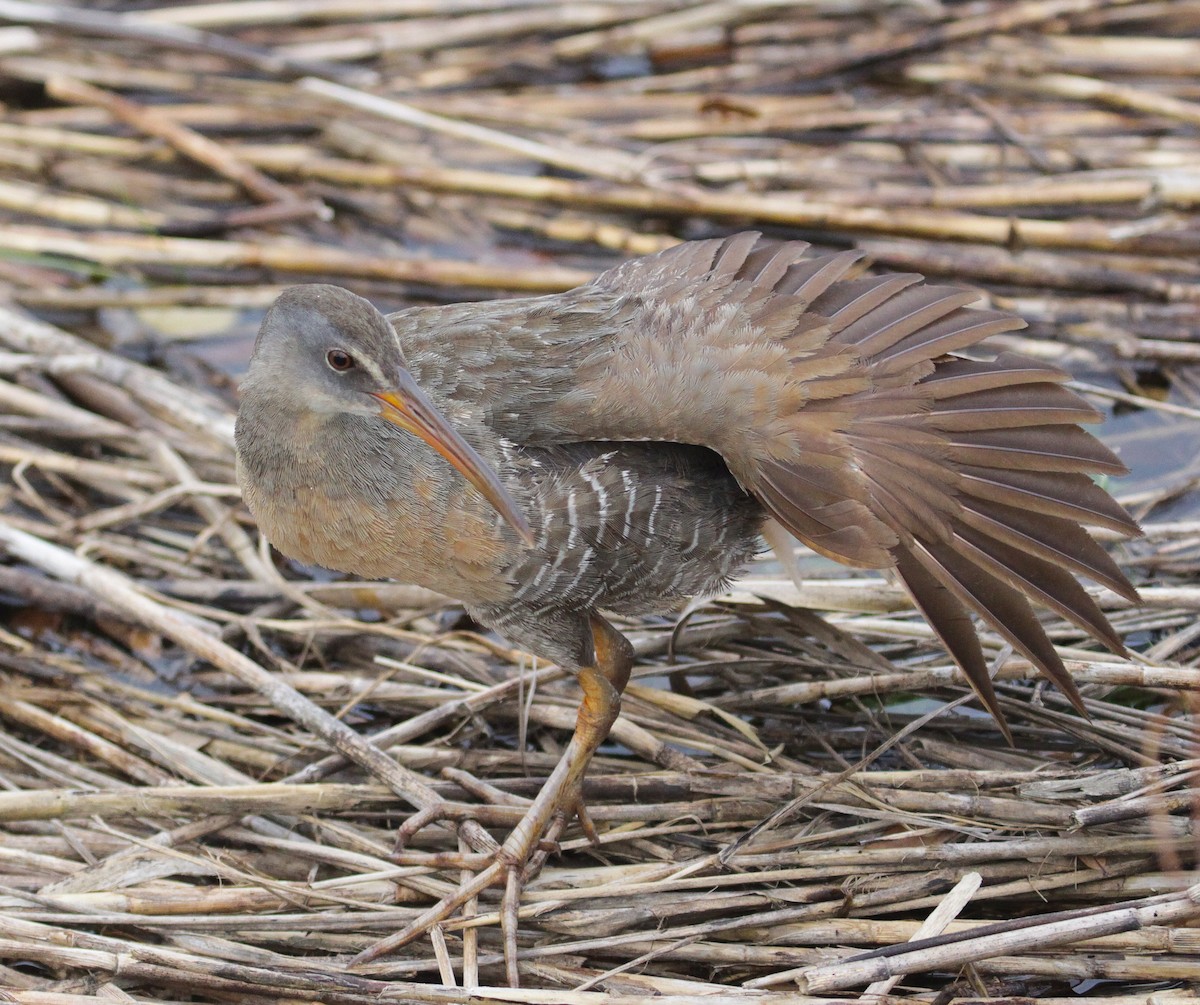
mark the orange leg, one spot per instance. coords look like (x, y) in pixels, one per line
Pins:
(602, 685)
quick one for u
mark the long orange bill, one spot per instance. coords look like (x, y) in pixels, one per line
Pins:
(406, 406)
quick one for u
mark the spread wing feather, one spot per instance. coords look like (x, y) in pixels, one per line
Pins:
(859, 430)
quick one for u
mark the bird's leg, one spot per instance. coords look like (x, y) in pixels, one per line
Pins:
(602, 682)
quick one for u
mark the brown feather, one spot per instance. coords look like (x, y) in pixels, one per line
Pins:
(957, 375)
(847, 302)
(1011, 407)
(913, 310)
(1036, 448)
(1002, 607)
(952, 621)
(961, 330)
(808, 279)
(1054, 493)
(767, 264)
(1035, 576)
(1057, 540)
(807, 502)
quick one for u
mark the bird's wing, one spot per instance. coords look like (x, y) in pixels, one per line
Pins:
(838, 401)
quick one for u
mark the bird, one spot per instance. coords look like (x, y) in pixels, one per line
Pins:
(624, 446)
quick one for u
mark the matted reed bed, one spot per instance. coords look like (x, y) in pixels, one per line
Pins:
(205, 751)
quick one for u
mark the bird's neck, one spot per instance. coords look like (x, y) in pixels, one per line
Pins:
(356, 494)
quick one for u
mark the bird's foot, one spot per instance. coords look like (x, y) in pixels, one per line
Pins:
(514, 864)
(497, 808)
(536, 833)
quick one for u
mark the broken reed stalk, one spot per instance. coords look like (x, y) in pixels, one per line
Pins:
(954, 952)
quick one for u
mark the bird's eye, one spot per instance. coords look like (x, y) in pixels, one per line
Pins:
(340, 360)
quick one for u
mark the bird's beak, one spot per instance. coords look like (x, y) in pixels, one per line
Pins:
(406, 406)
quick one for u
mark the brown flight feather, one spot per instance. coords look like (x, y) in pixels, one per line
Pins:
(969, 477)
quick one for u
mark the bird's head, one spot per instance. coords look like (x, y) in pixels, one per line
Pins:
(329, 351)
